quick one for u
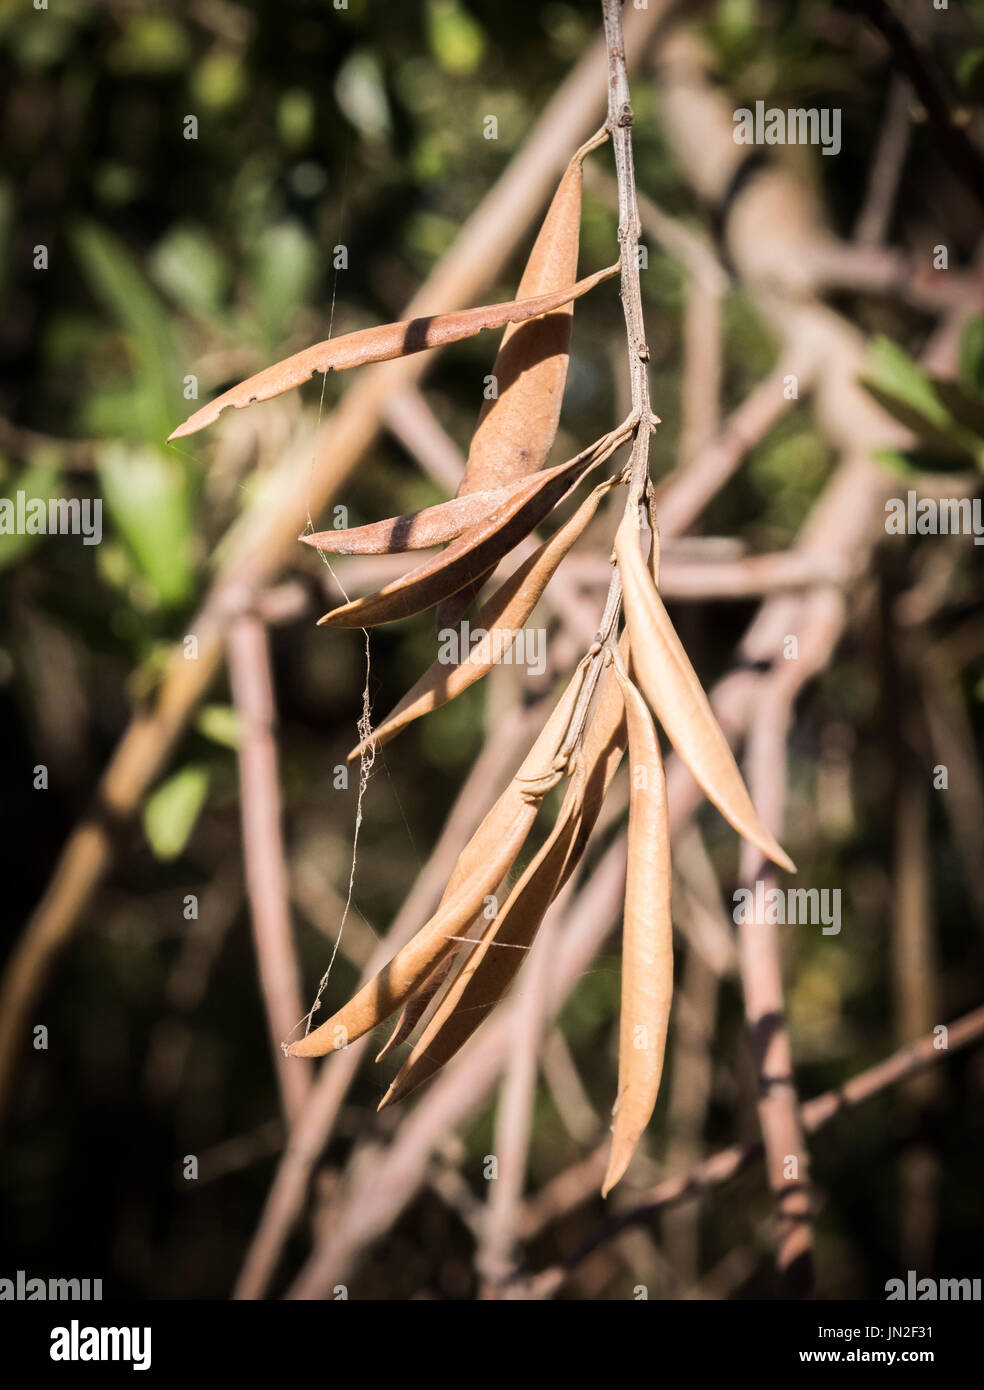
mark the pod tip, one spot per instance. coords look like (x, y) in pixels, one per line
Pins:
(387, 1099)
(780, 857)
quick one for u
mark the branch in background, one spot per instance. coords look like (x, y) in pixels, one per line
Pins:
(251, 677)
(954, 747)
(703, 367)
(874, 218)
(918, 65)
(760, 963)
(21, 442)
(410, 419)
(495, 1257)
(683, 494)
(814, 1114)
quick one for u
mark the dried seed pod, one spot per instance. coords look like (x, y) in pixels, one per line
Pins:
(602, 750)
(489, 970)
(647, 941)
(413, 530)
(516, 429)
(481, 545)
(380, 344)
(500, 620)
(671, 686)
(481, 866)
(492, 963)
(418, 1004)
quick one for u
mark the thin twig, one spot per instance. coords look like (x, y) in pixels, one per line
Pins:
(760, 962)
(873, 220)
(251, 678)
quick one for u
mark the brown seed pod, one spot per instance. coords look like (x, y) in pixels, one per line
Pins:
(418, 1004)
(481, 867)
(481, 545)
(517, 428)
(671, 686)
(647, 940)
(602, 750)
(380, 344)
(506, 612)
(491, 964)
(413, 530)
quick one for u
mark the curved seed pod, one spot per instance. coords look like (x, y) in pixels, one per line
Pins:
(492, 963)
(500, 619)
(418, 1004)
(489, 976)
(413, 530)
(482, 865)
(647, 941)
(474, 551)
(380, 344)
(671, 686)
(384, 994)
(517, 428)
(602, 751)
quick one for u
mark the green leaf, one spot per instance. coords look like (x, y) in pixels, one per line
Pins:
(172, 809)
(149, 500)
(457, 40)
(285, 266)
(894, 371)
(121, 286)
(902, 389)
(218, 82)
(939, 440)
(150, 43)
(972, 356)
(296, 117)
(188, 267)
(39, 479)
(220, 723)
(966, 407)
(969, 65)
